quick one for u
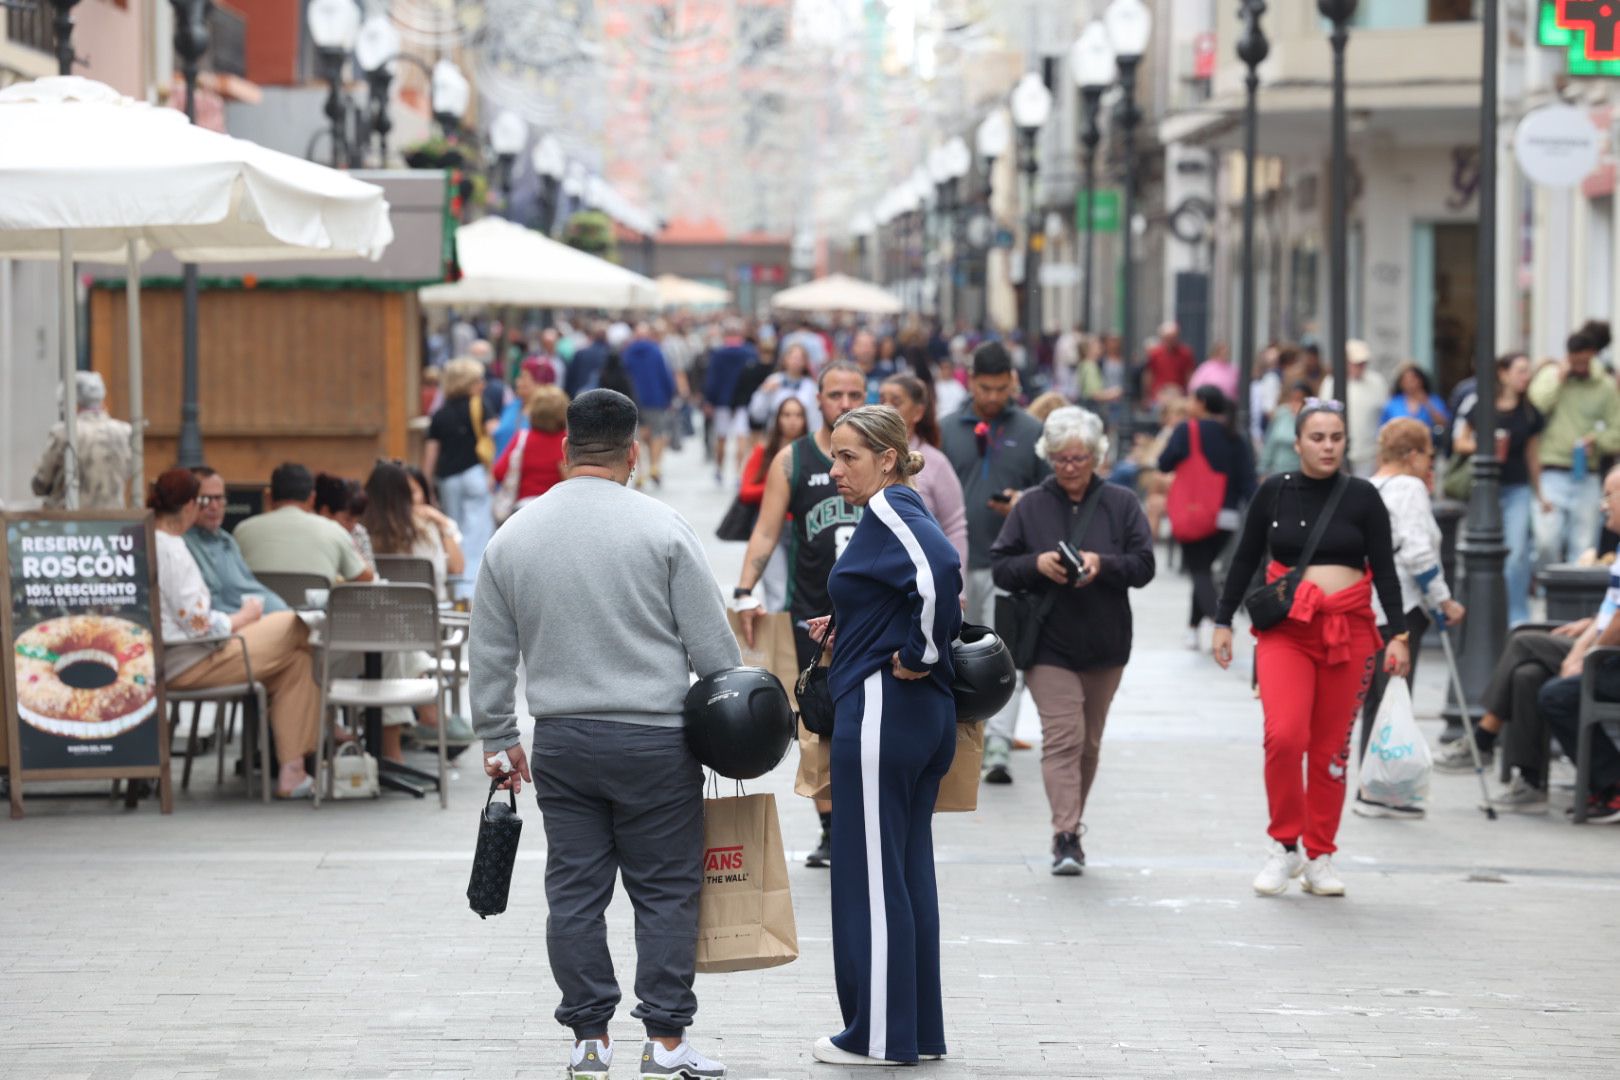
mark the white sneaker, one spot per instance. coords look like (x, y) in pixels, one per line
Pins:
(1371, 808)
(827, 1051)
(1282, 866)
(681, 1063)
(591, 1061)
(1522, 797)
(1319, 878)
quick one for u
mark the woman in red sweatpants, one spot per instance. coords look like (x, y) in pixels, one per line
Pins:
(1331, 532)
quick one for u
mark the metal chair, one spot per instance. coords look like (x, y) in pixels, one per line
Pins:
(250, 694)
(1594, 711)
(292, 586)
(372, 618)
(406, 569)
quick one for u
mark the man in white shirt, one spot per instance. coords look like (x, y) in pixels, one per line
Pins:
(1367, 393)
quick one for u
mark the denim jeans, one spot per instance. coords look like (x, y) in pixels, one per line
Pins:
(1572, 525)
(468, 502)
(1516, 504)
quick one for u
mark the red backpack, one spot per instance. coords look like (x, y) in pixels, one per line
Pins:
(1197, 493)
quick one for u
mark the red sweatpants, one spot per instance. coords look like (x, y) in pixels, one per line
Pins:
(1311, 708)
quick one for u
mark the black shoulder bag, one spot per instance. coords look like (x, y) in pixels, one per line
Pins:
(499, 828)
(1021, 615)
(1270, 603)
(815, 698)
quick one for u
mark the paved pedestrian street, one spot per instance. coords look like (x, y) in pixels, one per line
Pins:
(237, 940)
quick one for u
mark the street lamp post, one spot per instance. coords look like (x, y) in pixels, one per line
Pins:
(992, 139)
(1092, 62)
(63, 26)
(190, 44)
(923, 185)
(1339, 12)
(549, 165)
(334, 25)
(451, 94)
(508, 135)
(1031, 105)
(376, 51)
(1482, 548)
(1252, 49)
(958, 163)
(1129, 23)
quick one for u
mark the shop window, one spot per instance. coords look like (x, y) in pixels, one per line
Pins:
(1406, 14)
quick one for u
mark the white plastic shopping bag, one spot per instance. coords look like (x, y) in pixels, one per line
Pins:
(1396, 770)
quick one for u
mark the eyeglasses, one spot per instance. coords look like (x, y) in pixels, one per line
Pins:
(1071, 461)
(209, 500)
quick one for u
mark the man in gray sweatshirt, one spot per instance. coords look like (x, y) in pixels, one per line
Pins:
(607, 597)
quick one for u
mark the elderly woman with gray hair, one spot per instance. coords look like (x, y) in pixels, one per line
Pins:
(1085, 638)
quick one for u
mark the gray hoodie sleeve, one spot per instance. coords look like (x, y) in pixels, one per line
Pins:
(492, 656)
(695, 601)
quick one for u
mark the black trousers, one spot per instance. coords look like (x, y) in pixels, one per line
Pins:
(1531, 659)
(1199, 559)
(1417, 624)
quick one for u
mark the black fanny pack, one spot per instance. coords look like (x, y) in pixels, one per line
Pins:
(814, 695)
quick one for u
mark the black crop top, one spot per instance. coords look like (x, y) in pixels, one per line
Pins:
(1280, 519)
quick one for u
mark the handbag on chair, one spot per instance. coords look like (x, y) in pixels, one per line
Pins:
(499, 829)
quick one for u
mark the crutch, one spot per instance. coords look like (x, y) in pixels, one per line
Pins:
(1467, 717)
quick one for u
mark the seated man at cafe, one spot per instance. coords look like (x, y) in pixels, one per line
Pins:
(292, 539)
(224, 571)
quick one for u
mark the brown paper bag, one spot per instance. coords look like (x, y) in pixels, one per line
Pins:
(774, 649)
(814, 778)
(959, 791)
(745, 911)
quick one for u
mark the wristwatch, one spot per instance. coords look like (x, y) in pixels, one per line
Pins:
(740, 592)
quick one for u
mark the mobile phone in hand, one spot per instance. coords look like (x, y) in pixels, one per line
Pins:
(1077, 566)
(1001, 498)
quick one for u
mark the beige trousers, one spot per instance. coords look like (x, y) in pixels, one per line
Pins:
(1073, 707)
(278, 648)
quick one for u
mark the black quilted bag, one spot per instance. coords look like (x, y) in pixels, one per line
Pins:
(499, 828)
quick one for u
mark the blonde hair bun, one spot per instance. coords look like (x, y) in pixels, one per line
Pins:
(914, 463)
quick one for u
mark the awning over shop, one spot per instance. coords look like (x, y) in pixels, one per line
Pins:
(503, 263)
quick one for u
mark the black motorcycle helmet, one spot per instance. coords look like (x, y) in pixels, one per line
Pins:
(985, 675)
(739, 722)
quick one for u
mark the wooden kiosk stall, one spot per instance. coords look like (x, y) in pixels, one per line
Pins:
(315, 361)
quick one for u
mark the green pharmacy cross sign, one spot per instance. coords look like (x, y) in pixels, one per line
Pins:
(1588, 31)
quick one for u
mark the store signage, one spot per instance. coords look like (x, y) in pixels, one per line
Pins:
(1104, 211)
(1588, 31)
(1557, 145)
(82, 650)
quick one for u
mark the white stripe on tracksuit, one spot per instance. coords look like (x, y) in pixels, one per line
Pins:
(871, 754)
(887, 514)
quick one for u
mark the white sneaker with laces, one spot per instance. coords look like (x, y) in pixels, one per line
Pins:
(591, 1061)
(681, 1063)
(1522, 797)
(1319, 878)
(1282, 866)
(828, 1052)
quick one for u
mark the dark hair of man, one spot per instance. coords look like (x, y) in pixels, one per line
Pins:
(601, 428)
(1581, 341)
(331, 493)
(291, 482)
(389, 517)
(203, 472)
(1598, 331)
(848, 367)
(992, 358)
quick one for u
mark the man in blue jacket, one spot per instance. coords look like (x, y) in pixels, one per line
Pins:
(585, 369)
(655, 391)
(726, 365)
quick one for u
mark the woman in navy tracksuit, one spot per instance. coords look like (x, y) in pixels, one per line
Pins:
(895, 592)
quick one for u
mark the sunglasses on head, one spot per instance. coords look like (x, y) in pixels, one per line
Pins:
(1316, 404)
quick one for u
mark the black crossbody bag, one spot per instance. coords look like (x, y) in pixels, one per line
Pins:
(1270, 604)
(1021, 615)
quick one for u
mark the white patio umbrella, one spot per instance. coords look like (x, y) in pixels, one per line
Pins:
(88, 174)
(675, 291)
(838, 292)
(503, 263)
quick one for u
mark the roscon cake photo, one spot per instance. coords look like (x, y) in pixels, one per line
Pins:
(85, 676)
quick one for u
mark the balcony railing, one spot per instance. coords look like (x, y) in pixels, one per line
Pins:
(31, 27)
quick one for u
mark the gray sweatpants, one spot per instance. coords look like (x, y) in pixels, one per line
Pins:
(620, 799)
